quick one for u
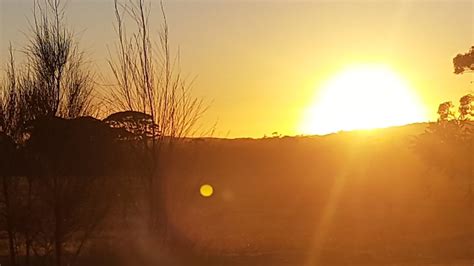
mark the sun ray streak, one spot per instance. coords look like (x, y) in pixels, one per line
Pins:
(326, 220)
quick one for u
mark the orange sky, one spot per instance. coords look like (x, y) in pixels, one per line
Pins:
(260, 64)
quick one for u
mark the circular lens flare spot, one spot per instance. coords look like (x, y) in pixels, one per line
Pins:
(206, 190)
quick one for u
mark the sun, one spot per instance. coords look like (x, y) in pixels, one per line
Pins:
(362, 97)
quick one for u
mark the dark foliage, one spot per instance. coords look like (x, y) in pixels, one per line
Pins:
(448, 144)
(464, 62)
(133, 125)
(59, 183)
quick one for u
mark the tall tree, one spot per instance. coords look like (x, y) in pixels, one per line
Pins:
(447, 144)
(53, 81)
(11, 122)
(149, 81)
(61, 84)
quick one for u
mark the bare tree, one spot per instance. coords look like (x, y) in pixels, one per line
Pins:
(61, 85)
(149, 81)
(10, 124)
(10, 115)
(54, 81)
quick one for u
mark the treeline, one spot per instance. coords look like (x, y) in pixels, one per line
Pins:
(448, 144)
(63, 170)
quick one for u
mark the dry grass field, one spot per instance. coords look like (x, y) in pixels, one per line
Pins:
(353, 198)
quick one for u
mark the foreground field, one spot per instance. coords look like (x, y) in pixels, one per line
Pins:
(356, 198)
(349, 198)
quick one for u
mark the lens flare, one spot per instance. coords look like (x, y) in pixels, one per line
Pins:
(206, 190)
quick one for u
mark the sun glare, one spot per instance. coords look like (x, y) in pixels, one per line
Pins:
(362, 97)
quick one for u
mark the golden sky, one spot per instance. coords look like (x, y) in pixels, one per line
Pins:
(260, 64)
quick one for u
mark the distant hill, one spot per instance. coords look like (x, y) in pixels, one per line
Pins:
(409, 129)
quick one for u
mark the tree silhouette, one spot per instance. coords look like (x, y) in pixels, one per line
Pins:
(9, 215)
(12, 109)
(62, 171)
(466, 108)
(12, 119)
(71, 161)
(464, 62)
(446, 111)
(447, 144)
(52, 82)
(59, 82)
(149, 81)
(133, 125)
